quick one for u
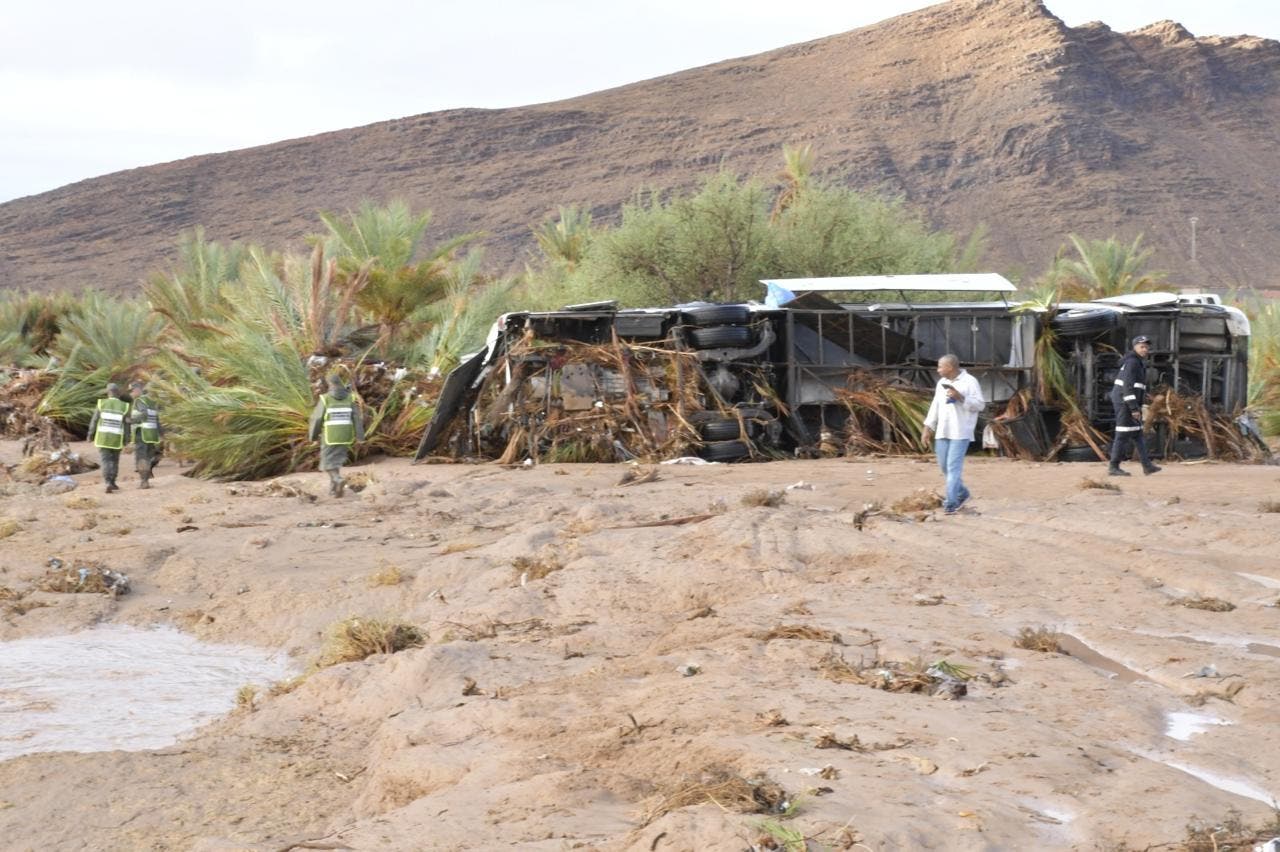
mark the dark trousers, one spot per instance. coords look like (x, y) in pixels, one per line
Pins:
(1128, 430)
(110, 461)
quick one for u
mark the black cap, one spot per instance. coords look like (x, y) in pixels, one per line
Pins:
(1141, 338)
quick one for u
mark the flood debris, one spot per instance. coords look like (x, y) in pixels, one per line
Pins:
(637, 475)
(724, 788)
(82, 576)
(770, 498)
(943, 679)
(1090, 482)
(799, 631)
(1207, 604)
(271, 488)
(920, 500)
(357, 638)
(41, 466)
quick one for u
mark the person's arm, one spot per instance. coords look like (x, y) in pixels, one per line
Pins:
(930, 419)
(93, 422)
(1129, 376)
(317, 417)
(973, 400)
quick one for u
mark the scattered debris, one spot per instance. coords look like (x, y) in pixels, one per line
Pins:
(943, 679)
(800, 486)
(636, 475)
(534, 568)
(762, 497)
(1269, 506)
(701, 612)
(1098, 484)
(922, 500)
(928, 600)
(772, 719)
(799, 631)
(387, 575)
(8, 527)
(271, 488)
(1207, 604)
(469, 687)
(829, 740)
(39, 467)
(688, 669)
(725, 789)
(82, 575)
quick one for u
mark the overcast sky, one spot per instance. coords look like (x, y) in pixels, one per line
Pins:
(88, 88)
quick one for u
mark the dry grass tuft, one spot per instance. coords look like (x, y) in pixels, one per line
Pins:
(772, 719)
(388, 575)
(1229, 833)
(358, 638)
(800, 631)
(725, 789)
(528, 568)
(8, 527)
(797, 608)
(247, 697)
(767, 497)
(1039, 639)
(1269, 506)
(922, 500)
(458, 547)
(1099, 484)
(80, 501)
(8, 594)
(829, 740)
(639, 476)
(1207, 604)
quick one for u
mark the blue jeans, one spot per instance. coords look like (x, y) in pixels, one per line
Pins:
(951, 459)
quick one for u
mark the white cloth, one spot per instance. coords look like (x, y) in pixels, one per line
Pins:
(957, 419)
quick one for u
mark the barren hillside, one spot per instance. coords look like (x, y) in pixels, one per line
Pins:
(975, 111)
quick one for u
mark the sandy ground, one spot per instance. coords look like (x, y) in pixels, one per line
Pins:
(581, 721)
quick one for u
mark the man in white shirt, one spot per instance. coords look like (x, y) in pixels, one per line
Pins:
(951, 421)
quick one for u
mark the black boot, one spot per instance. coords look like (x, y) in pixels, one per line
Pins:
(1150, 468)
(1115, 470)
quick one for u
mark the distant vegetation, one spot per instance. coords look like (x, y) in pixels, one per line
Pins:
(236, 338)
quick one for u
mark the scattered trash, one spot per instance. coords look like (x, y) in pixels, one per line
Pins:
(687, 460)
(82, 576)
(943, 679)
(688, 669)
(1207, 604)
(800, 486)
(927, 600)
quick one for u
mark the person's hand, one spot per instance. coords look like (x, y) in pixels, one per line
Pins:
(955, 394)
(926, 434)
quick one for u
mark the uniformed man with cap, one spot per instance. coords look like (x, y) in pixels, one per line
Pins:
(1127, 396)
(337, 424)
(144, 414)
(108, 427)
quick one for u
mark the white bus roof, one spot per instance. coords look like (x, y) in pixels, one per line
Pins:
(979, 282)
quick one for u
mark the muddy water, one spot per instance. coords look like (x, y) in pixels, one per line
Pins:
(117, 687)
(1113, 668)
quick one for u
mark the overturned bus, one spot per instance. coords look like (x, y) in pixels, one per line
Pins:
(805, 374)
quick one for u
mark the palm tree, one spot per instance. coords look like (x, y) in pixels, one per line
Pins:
(1108, 268)
(566, 239)
(194, 297)
(796, 177)
(402, 275)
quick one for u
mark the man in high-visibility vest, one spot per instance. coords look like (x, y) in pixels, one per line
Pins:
(337, 424)
(144, 414)
(108, 427)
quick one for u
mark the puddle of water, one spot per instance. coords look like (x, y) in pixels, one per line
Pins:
(1261, 580)
(1235, 786)
(1183, 726)
(1259, 648)
(117, 687)
(1082, 652)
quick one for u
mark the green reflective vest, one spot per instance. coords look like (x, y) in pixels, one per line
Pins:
(146, 420)
(339, 420)
(109, 434)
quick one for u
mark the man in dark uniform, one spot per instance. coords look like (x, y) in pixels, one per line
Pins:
(144, 415)
(107, 427)
(1127, 396)
(336, 423)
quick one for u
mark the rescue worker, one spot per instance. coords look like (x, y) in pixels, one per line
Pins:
(336, 423)
(1127, 396)
(144, 415)
(107, 426)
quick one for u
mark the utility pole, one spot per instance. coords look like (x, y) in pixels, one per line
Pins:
(1193, 238)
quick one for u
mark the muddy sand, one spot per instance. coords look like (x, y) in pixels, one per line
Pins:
(629, 667)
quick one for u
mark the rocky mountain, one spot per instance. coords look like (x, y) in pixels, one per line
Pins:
(975, 111)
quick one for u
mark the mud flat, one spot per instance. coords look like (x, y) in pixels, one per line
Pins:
(605, 662)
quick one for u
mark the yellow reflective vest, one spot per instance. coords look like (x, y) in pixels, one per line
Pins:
(146, 420)
(109, 434)
(339, 420)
